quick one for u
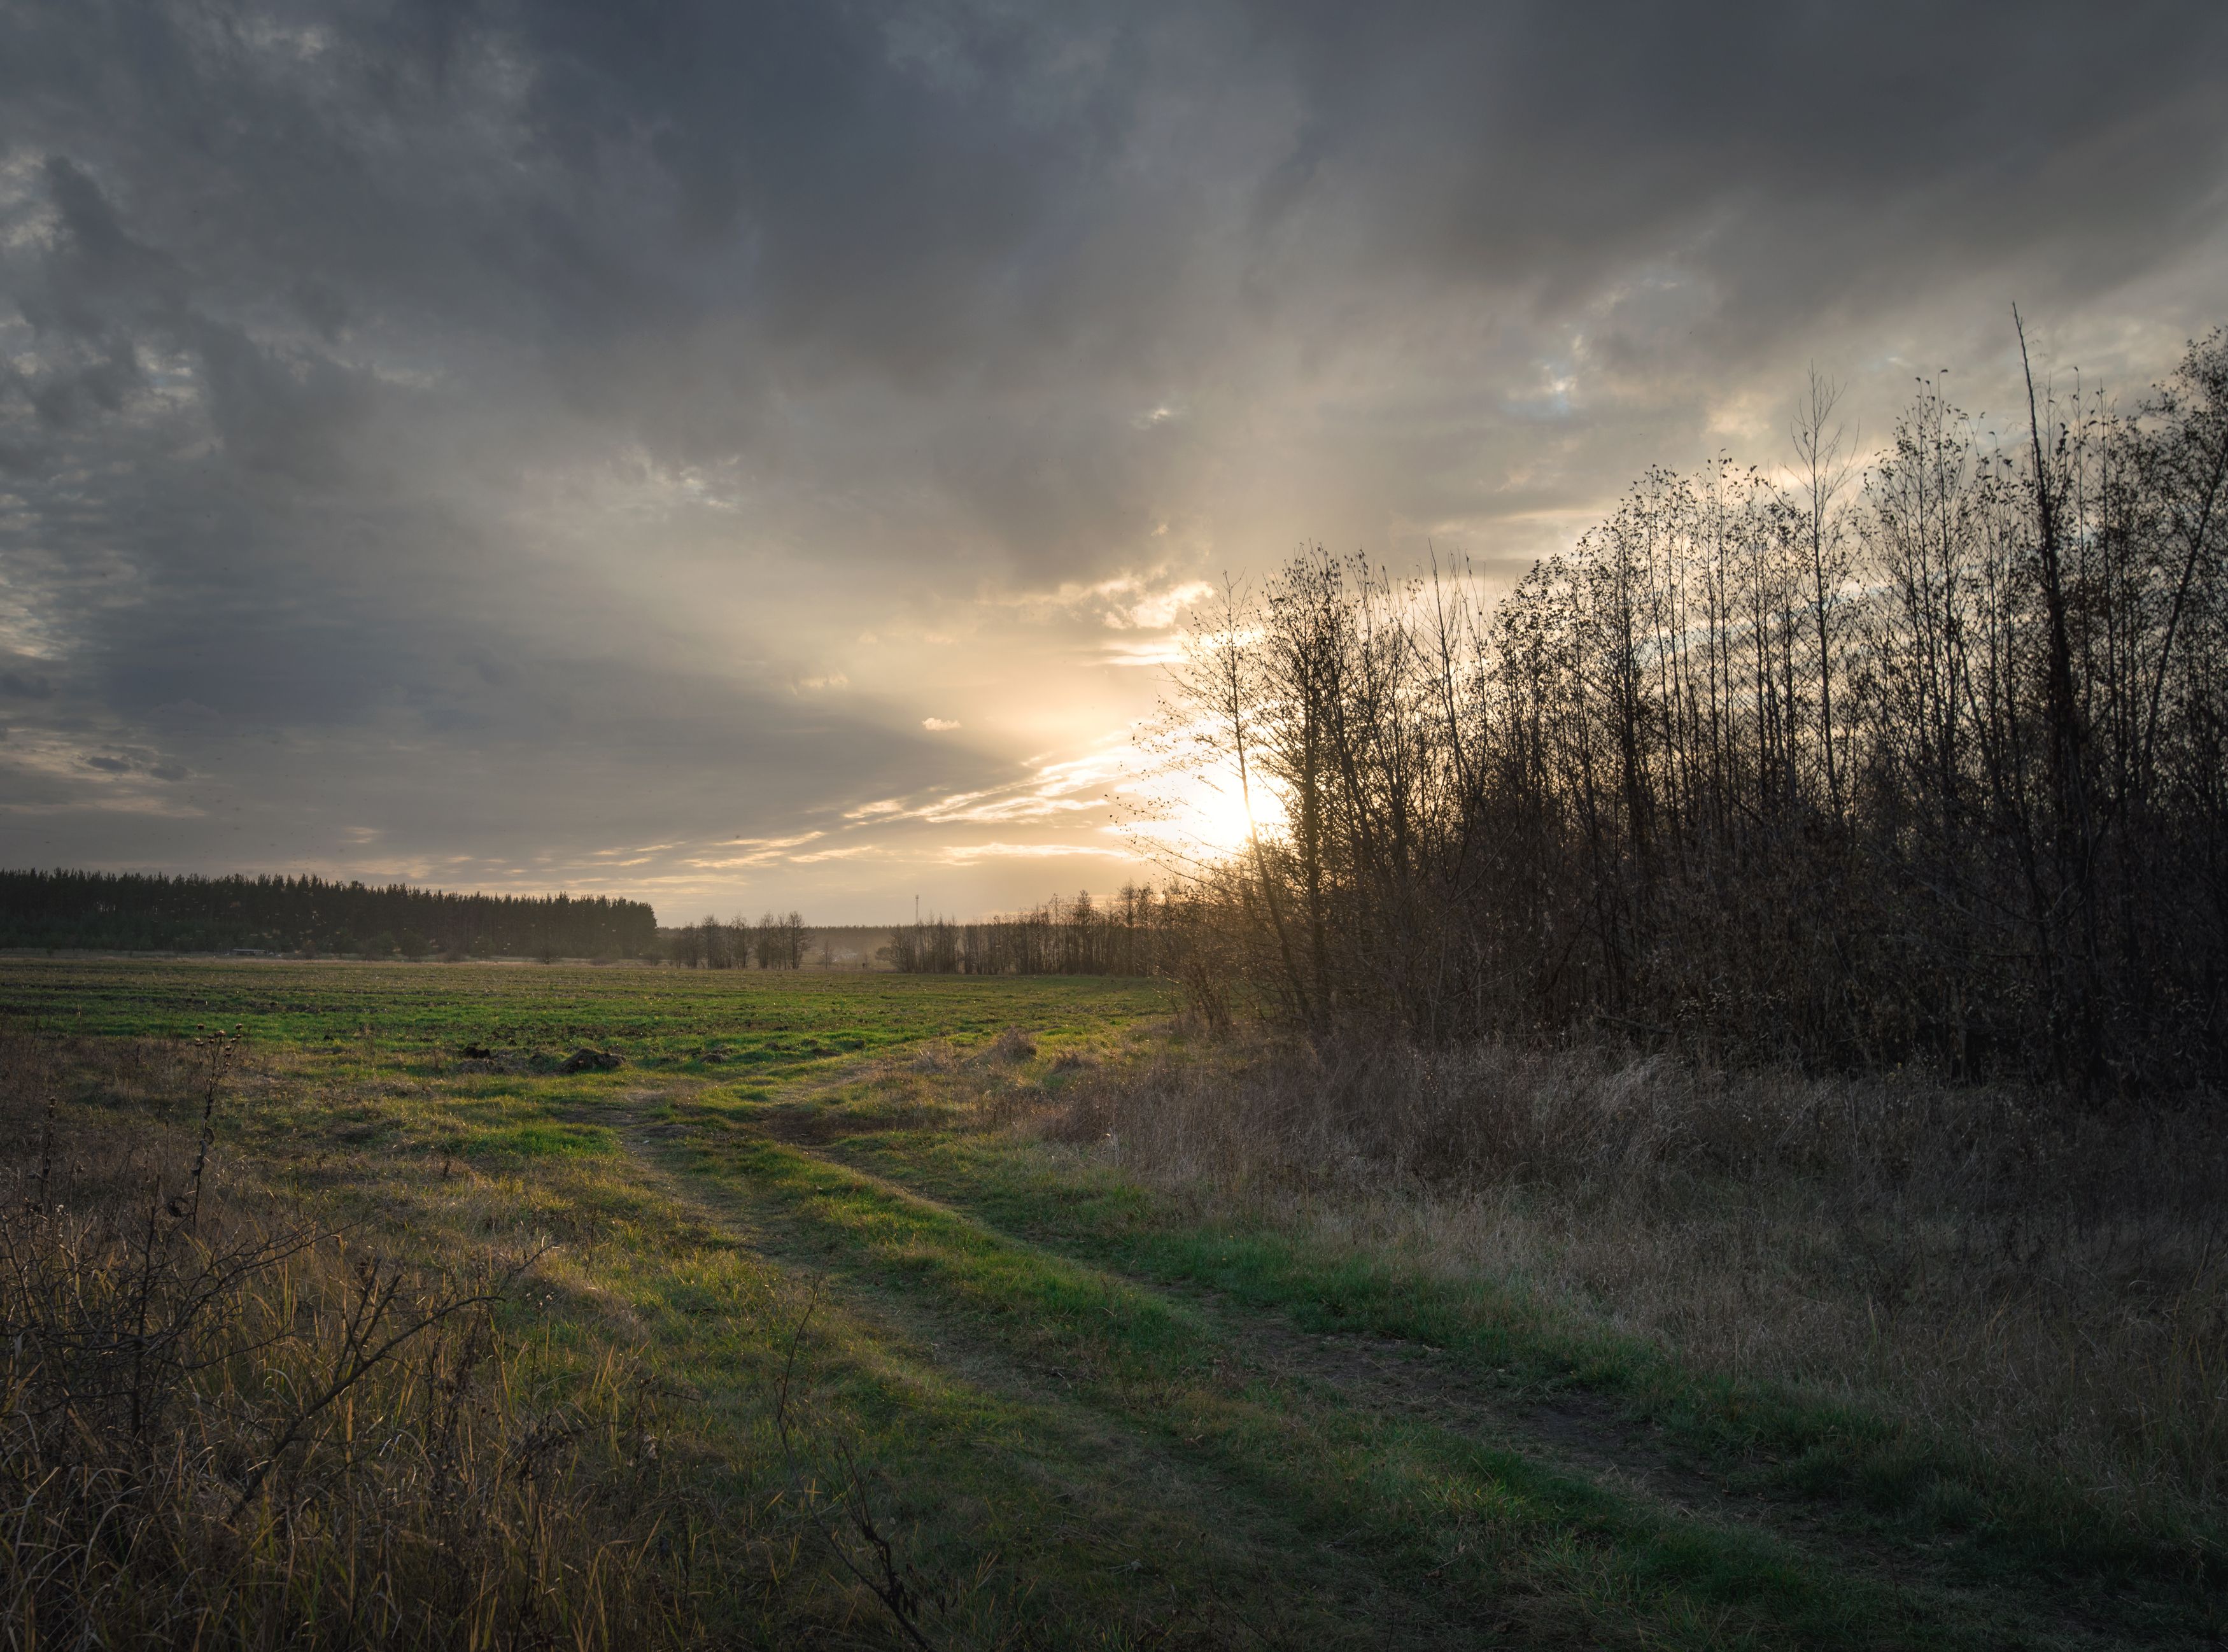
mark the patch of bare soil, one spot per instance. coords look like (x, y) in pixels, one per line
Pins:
(810, 1126)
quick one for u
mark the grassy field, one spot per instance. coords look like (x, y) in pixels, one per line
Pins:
(878, 1284)
(780, 1021)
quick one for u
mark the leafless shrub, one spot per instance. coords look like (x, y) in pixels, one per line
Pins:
(856, 1538)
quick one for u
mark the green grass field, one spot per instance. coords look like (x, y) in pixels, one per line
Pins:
(1085, 1417)
(782, 1021)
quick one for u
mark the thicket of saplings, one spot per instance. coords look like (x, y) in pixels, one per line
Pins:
(1794, 923)
(1929, 766)
(222, 1424)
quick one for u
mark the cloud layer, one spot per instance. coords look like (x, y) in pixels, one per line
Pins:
(753, 455)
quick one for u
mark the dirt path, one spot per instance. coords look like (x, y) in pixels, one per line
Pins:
(1159, 1493)
(1584, 1434)
(1405, 1382)
(1587, 1435)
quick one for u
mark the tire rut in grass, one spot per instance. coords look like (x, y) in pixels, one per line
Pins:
(1154, 1484)
(1265, 1346)
(1588, 1435)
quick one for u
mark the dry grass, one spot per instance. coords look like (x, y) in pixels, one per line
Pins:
(222, 1424)
(2046, 1285)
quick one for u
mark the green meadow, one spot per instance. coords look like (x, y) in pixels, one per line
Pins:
(881, 1290)
(666, 1017)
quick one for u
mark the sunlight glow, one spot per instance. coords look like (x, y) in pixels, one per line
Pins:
(1206, 815)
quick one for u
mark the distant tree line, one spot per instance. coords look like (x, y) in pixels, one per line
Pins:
(1920, 764)
(128, 911)
(1134, 932)
(774, 942)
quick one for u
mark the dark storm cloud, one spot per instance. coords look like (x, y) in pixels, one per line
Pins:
(1549, 141)
(927, 189)
(676, 212)
(373, 368)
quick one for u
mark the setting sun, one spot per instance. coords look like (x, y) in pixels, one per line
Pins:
(1213, 814)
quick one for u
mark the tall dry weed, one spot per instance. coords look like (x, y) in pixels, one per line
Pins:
(223, 1424)
(2048, 1283)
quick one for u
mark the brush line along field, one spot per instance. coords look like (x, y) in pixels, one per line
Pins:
(891, 1286)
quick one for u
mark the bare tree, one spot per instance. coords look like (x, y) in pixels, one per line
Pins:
(1926, 769)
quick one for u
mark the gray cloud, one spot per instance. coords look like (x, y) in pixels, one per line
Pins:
(480, 435)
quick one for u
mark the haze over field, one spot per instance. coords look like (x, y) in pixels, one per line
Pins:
(747, 457)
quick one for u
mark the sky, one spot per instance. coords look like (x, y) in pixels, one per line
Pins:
(760, 455)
